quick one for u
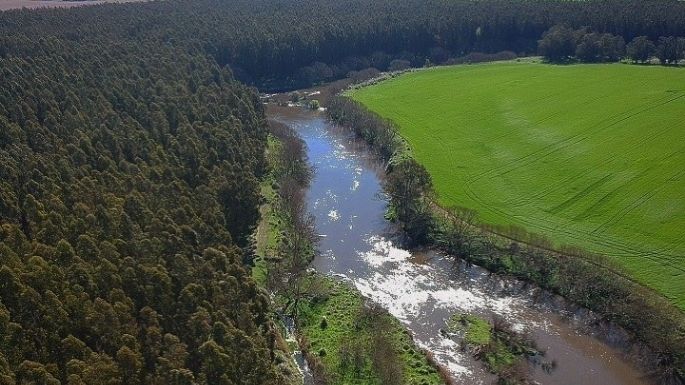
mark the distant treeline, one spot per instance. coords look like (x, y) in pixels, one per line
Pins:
(285, 44)
(562, 44)
(588, 280)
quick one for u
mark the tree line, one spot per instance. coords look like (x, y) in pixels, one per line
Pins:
(562, 44)
(285, 44)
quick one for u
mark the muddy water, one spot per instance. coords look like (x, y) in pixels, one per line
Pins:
(422, 289)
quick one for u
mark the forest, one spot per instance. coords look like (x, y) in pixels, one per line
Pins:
(280, 45)
(131, 147)
(129, 190)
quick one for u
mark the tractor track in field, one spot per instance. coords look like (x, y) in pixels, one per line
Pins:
(517, 202)
(573, 139)
(617, 270)
(619, 248)
(446, 213)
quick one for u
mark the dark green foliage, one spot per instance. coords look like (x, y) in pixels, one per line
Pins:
(670, 49)
(595, 47)
(558, 43)
(640, 49)
(128, 172)
(279, 44)
(561, 44)
(408, 184)
(129, 159)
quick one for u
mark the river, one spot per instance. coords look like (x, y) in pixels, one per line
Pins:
(424, 288)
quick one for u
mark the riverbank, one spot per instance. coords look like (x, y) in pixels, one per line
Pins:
(423, 289)
(634, 307)
(355, 341)
(345, 338)
(535, 161)
(265, 241)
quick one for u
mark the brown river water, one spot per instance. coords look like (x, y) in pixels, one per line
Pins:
(424, 288)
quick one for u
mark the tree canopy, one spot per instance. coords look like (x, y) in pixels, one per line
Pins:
(285, 44)
(128, 177)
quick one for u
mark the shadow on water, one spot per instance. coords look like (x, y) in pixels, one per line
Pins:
(424, 288)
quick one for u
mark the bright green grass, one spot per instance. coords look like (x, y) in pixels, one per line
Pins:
(270, 225)
(588, 155)
(476, 330)
(345, 327)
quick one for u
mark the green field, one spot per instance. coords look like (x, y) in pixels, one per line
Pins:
(588, 155)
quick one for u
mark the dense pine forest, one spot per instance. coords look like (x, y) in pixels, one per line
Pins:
(130, 153)
(129, 185)
(280, 44)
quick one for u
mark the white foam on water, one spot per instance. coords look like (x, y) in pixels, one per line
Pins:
(395, 293)
(407, 282)
(447, 353)
(383, 251)
(408, 290)
(333, 214)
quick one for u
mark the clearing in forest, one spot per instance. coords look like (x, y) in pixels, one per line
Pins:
(588, 155)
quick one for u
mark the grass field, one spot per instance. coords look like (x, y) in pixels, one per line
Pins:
(587, 155)
(350, 327)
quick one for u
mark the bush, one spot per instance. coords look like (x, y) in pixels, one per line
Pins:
(479, 57)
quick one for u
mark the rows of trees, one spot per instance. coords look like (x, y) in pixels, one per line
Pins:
(562, 44)
(128, 191)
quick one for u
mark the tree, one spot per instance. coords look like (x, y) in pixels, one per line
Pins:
(589, 49)
(408, 185)
(670, 49)
(6, 375)
(216, 364)
(130, 363)
(458, 237)
(640, 49)
(612, 47)
(558, 43)
(289, 275)
(30, 372)
(399, 65)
